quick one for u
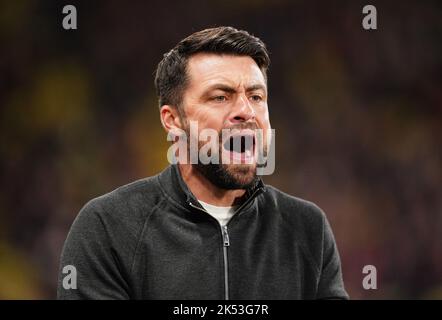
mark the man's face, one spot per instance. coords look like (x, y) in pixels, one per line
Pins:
(228, 92)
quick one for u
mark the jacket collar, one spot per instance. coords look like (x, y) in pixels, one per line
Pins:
(174, 185)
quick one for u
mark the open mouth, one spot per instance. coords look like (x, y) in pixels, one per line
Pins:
(240, 147)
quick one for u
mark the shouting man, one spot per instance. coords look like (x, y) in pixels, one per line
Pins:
(206, 230)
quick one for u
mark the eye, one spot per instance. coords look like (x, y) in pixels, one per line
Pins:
(256, 98)
(219, 98)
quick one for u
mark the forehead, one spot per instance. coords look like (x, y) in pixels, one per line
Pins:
(205, 69)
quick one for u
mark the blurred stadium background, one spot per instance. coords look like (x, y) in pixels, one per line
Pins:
(358, 119)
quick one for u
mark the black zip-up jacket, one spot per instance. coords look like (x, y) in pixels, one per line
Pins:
(151, 239)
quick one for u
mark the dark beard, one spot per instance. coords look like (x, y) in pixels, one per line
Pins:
(219, 175)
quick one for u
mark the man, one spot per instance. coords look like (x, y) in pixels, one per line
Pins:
(205, 231)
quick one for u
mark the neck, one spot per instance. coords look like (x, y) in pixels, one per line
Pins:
(206, 191)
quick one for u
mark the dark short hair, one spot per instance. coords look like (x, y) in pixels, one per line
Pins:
(171, 77)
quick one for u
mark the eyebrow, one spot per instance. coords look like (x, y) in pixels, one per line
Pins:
(229, 89)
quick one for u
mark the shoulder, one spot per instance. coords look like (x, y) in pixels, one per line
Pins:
(125, 208)
(293, 209)
(130, 195)
(300, 218)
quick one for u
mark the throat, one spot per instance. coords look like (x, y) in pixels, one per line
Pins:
(206, 191)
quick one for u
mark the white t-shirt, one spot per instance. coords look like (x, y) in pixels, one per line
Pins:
(222, 214)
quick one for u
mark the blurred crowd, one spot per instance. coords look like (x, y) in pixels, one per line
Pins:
(357, 114)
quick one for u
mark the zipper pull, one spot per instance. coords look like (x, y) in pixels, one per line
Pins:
(226, 237)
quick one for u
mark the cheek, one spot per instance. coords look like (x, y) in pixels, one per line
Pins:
(213, 119)
(264, 119)
(264, 123)
(208, 119)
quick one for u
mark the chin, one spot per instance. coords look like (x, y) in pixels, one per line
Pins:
(244, 174)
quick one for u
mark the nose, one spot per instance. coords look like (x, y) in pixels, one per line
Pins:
(243, 111)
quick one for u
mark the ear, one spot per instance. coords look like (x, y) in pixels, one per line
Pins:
(170, 119)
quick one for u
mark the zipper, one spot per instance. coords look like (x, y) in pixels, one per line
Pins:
(226, 262)
(226, 243)
(226, 240)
